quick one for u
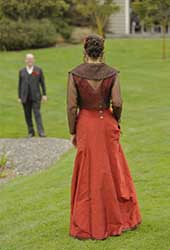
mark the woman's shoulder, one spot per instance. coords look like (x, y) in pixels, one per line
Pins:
(76, 68)
(92, 65)
(94, 70)
(111, 68)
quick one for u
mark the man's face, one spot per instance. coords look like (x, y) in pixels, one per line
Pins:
(29, 60)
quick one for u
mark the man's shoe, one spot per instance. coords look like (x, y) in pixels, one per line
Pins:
(42, 135)
(30, 135)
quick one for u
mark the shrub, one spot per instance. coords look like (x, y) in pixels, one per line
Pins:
(53, 10)
(79, 33)
(17, 35)
(6, 165)
(62, 27)
(36, 9)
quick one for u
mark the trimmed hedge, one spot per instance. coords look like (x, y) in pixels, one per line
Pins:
(18, 35)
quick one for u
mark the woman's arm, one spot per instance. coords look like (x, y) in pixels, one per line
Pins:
(72, 104)
(116, 99)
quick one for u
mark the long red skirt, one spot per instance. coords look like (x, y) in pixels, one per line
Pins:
(103, 196)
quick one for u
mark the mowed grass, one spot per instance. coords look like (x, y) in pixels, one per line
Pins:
(144, 80)
(34, 210)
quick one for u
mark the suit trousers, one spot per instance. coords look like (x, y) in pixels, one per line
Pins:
(33, 106)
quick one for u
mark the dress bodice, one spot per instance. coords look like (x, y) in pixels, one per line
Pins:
(93, 94)
(92, 86)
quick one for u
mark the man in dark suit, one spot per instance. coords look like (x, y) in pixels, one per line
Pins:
(31, 84)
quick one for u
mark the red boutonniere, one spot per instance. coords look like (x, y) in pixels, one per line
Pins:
(35, 73)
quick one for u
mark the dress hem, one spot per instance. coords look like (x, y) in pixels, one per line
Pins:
(132, 228)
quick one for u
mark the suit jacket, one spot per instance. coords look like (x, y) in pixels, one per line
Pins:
(32, 82)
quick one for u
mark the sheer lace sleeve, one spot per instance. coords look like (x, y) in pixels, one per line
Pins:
(116, 99)
(72, 105)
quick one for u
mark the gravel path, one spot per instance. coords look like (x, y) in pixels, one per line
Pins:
(31, 155)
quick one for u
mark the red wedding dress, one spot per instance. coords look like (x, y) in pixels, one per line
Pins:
(103, 196)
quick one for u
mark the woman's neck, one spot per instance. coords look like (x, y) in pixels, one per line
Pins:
(89, 60)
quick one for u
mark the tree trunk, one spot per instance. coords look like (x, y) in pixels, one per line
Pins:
(142, 27)
(99, 26)
(164, 39)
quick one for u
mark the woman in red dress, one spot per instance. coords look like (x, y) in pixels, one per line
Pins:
(103, 196)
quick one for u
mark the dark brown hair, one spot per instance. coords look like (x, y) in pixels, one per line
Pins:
(94, 46)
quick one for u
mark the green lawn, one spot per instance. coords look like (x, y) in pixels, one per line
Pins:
(144, 79)
(34, 210)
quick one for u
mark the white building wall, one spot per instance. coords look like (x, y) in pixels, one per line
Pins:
(119, 22)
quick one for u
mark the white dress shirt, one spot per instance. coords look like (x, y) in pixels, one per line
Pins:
(29, 69)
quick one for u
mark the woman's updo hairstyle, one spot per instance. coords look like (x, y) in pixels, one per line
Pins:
(94, 46)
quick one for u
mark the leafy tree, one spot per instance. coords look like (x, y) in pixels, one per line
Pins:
(97, 11)
(155, 11)
(140, 8)
(160, 11)
(73, 15)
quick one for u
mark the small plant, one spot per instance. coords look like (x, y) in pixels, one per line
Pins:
(4, 168)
